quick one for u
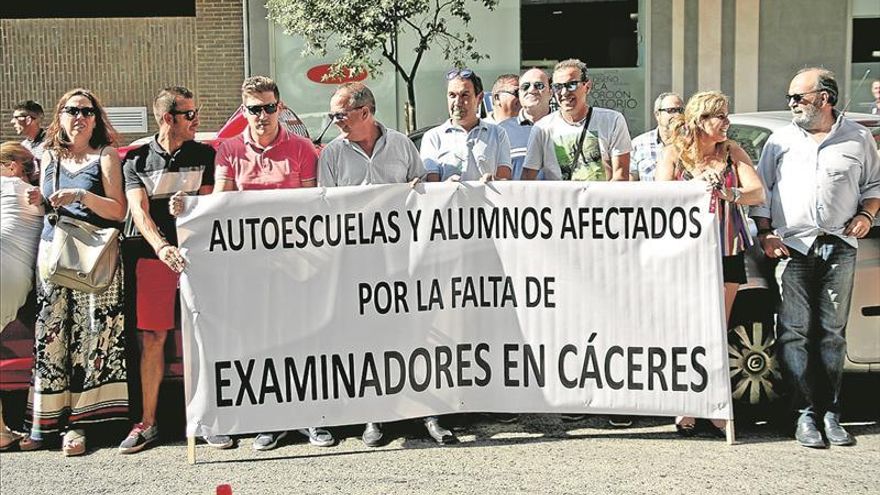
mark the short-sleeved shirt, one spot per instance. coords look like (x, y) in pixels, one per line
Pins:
(815, 188)
(554, 143)
(161, 174)
(36, 146)
(647, 153)
(395, 159)
(286, 163)
(518, 130)
(450, 150)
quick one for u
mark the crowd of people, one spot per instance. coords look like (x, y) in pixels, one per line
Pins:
(814, 192)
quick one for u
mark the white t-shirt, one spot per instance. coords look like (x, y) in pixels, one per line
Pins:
(20, 226)
(553, 145)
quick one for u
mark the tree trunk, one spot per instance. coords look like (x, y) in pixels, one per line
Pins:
(410, 107)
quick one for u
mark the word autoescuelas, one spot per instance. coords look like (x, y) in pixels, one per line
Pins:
(390, 227)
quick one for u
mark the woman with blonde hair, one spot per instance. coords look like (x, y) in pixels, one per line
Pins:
(20, 225)
(700, 150)
(79, 352)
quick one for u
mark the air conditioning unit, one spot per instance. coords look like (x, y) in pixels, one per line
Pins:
(128, 120)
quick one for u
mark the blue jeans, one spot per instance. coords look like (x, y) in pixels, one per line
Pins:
(815, 299)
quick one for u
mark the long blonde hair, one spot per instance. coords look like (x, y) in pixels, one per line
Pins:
(11, 151)
(686, 128)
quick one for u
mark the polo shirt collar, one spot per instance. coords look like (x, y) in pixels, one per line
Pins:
(448, 126)
(281, 138)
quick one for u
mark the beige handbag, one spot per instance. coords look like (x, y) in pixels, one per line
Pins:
(82, 256)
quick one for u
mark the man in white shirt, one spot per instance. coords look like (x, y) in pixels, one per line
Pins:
(578, 142)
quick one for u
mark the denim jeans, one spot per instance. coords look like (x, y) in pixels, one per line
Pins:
(815, 299)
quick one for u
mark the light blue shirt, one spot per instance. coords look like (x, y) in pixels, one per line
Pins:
(449, 150)
(518, 130)
(816, 188)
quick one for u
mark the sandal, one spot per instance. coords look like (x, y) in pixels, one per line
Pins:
(27, 444)
(8, 438)
(74, 443)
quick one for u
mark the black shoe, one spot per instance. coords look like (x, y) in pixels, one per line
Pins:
(440, 434)
(372, 436)
(835, 433)
(808, 435)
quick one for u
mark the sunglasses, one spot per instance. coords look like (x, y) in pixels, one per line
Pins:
(798, 97)
(671, 110)
(86, 112)
(569, 86)
(343, 115)
(187, 114)
(269, 108)
(463, 73)
(539, 85)
(21, 117)
(514, 93)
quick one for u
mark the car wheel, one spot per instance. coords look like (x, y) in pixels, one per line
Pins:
(756, 381)
(754, 370)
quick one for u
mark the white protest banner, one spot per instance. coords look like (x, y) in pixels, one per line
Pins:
(339, 306)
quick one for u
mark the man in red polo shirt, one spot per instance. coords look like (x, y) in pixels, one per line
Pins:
(265, 155)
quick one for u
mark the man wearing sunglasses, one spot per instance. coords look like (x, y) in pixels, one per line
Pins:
(172, 162)
(821, 178)
(365, 152)
(505, 98)
(648, 147)
(264, 155)
(27, 118)
(465, 147)
(578, 142)
(534, 96)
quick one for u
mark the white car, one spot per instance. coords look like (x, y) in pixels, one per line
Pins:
(755, 374)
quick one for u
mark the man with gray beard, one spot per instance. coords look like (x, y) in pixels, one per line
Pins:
(822, 183)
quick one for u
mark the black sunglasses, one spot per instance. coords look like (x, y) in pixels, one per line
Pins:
(187, 114)
(539, 85)
(86, 112)
(269, 108)
(797, 97)
(671, 110)
(569, 86)
(514, 93)
(343, 115)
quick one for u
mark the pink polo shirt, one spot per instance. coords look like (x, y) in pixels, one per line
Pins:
(284, 164)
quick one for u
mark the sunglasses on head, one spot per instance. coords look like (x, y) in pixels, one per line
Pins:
(539, 85)
(187, 114)
(269, 108)
(569, 86)
(798, 97)
(86, 112)
(463, 73)
(671, 110)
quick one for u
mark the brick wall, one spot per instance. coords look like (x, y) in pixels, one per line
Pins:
(125, 61)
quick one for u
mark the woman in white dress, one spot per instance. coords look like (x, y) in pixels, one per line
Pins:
(20, 225)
